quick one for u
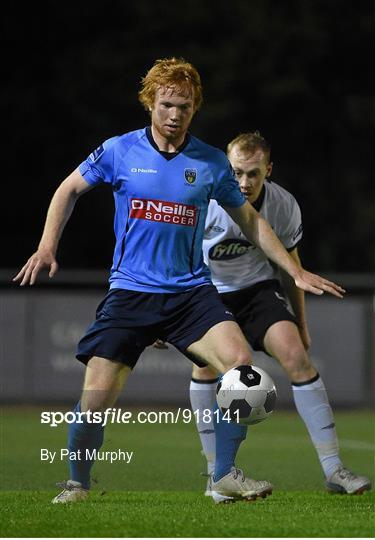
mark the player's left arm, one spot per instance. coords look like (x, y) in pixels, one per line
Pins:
(296, 298)
(259, 232)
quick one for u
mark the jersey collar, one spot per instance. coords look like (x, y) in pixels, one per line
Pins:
(166, 155)
(258, 203)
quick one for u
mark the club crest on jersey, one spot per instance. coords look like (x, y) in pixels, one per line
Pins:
(190, 175)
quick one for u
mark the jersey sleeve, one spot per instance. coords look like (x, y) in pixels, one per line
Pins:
(100, 165)
(291, 234)
(226, 189)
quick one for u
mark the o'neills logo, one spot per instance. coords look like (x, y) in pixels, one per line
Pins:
(163, 211)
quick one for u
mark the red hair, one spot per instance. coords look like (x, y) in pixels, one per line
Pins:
(173, 73)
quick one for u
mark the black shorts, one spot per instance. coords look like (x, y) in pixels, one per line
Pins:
(128, 321)
(258, 307)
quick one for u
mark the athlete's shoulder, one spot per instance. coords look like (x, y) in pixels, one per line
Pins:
(210, 152)
(127, 139)
(118, 145)
(280, 195)
(284, 214)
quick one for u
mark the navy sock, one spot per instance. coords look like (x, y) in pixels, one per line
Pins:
(229, 436)
(82, 436)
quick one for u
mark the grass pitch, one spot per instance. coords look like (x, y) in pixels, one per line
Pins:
(160, 493)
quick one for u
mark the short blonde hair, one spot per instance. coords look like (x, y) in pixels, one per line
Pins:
(172, 73)
(249, 142)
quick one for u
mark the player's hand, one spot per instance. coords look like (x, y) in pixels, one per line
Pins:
(39, 260)
(160, 344)
(317, 285)
(305, 334)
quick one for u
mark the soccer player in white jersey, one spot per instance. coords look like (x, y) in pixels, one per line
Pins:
(255, 291)
(162, 179)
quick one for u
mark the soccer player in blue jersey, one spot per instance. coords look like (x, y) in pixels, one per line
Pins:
(254, 290)
(162, 180)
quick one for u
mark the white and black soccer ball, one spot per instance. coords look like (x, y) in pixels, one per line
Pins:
(246, 395)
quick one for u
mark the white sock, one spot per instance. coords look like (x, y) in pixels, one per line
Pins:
(203, 398)
(313, 406)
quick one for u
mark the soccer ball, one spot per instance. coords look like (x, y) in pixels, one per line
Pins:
(246, 395)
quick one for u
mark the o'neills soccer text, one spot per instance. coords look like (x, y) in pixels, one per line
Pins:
(164, 211)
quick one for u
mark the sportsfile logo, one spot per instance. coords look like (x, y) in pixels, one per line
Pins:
(164, 211)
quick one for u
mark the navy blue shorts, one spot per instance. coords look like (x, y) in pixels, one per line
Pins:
(258, 307)
(129, 321)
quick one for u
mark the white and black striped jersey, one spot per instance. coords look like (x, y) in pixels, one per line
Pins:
(234, 262)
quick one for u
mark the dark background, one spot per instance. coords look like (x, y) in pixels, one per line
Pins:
(299, 71)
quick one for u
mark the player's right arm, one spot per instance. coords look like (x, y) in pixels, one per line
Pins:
(59, 212)
(259, 231)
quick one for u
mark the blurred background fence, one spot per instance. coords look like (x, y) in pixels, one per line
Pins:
(40, 327)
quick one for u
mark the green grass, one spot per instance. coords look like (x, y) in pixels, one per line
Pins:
(160, 493)
(188, 514)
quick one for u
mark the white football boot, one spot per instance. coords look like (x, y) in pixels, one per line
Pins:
(72, 492)
(344, 481)
(234, 486)
(214, 494)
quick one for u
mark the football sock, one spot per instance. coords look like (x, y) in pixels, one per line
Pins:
(229, 436)
(203, 399)
(313, 406)
(82, 436)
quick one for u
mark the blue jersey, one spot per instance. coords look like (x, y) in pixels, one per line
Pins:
(160, 208)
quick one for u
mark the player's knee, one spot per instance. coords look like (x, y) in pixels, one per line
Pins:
(297, 363)
(240, 358)
(96, 400)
